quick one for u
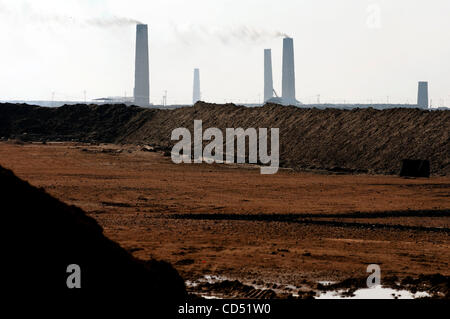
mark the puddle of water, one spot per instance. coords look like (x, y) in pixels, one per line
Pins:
(206, 279)
(211, 279)
(190, 283)
(326, 283)
(377, 292)
(209, 296)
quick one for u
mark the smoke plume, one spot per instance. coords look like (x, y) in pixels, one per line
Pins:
(111, 22)
(32, 16)
(226, 35)
(91, 22)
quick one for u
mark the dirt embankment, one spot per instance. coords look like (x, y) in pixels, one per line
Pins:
(359, 140)
(50, 235)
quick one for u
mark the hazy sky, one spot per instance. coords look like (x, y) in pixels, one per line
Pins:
(353, 50)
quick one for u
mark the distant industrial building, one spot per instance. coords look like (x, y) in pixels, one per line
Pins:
(196, 96)
(141, 74)
(268, 77)
(288, 76)
(422, 95)
(288, 81)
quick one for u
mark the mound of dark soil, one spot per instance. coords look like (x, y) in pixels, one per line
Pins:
(84, 123)
(47, 236)
(358, 140)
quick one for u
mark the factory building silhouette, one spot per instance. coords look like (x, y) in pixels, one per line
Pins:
(288, 91)
(268, 77)
(141, 72)
(288, 76)
(196, 96)
(288, 81)
(422, 95)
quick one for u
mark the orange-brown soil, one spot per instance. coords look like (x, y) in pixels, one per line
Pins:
(231, 221)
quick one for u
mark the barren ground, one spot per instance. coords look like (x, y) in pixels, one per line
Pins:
(228, 220)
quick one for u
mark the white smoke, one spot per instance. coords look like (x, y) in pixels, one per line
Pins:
(189, 34)
(30, 15)
(110, 22)
(113, 21)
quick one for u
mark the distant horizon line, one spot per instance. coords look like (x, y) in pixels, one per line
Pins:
(59, 103)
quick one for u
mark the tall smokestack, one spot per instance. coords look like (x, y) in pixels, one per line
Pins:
(141, 71)
(196, 95)
(268, 78)
(422, 96)
(288, 82)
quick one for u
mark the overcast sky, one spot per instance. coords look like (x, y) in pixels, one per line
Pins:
(352, 50)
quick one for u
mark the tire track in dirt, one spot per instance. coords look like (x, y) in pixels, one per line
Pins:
(312, 219)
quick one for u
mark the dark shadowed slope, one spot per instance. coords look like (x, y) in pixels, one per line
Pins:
(48, 235)
(87, 123)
